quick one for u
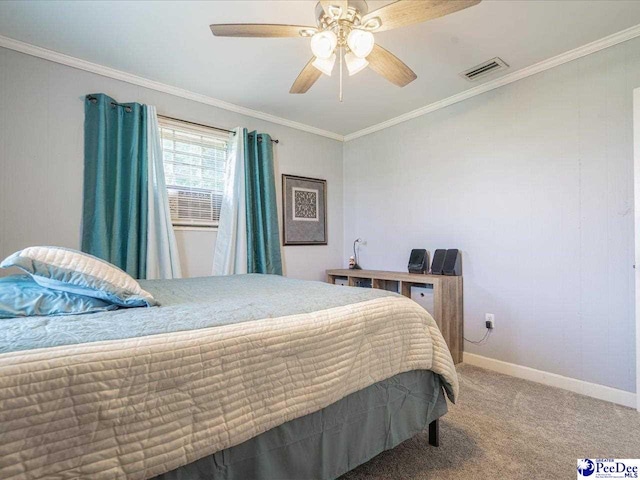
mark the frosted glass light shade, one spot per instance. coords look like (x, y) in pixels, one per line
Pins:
(323, 44)
(355, 64)
(325, 65)
(360, 42)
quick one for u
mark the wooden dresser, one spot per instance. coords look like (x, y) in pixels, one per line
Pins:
(447, 297)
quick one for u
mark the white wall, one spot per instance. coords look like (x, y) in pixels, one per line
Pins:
(41, 159)
(534, 183)
(196, 247)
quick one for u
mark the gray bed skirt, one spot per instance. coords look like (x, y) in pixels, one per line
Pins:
(332, 441)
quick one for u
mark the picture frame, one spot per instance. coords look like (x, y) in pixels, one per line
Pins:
(304, 210)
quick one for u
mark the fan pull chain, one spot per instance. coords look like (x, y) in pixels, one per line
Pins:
(341, 53)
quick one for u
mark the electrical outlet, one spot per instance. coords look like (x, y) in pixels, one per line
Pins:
(489, 321)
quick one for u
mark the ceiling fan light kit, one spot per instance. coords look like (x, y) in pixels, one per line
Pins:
(346, 28)
(360, 42)
(354, 63)
(325, 65)
(324, 43)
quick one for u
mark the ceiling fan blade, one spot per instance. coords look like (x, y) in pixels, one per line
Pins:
(327, 5)
(258, 30)
(390, 67)
(408, 12)
(306, 79)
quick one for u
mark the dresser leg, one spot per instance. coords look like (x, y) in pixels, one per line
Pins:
(434, 433)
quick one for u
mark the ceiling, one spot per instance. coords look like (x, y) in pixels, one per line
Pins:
(170, 42)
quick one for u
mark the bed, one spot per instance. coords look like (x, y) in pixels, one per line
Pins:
(249, 376)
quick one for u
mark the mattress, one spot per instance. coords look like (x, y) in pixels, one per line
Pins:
(136, 393)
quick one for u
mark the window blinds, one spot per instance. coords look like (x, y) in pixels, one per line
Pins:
(194, 166)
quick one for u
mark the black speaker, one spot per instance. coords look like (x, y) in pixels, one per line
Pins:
(438, 261)
(452, 263)
(418, 261)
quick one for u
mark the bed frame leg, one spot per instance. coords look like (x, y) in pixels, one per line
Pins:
(434, 433)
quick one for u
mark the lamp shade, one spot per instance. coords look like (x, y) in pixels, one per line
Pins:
(325, 65)
(355, 64)
(323, 44)
(360, 42)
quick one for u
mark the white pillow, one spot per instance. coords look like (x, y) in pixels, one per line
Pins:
(77, 272)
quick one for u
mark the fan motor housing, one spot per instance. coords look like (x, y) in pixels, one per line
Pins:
(359, 7)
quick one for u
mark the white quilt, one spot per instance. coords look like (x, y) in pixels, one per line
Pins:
(140, 407)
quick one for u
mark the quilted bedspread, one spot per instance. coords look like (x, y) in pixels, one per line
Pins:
(147, 390)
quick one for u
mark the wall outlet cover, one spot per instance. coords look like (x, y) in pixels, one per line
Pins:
(490, 318)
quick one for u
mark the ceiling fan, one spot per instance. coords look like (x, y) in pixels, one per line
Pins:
(345, 28)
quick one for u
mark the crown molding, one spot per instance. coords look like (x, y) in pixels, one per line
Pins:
(569, 56)
(80, 64)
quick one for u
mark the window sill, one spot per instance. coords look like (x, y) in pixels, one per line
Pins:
(185, 228)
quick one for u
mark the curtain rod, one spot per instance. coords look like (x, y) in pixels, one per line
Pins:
(206, 126)
(127, 109)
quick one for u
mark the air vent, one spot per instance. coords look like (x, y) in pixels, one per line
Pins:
(484, 69)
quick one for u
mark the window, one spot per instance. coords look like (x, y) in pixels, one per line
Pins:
(194, 165)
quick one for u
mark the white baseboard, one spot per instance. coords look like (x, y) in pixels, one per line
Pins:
(601, 392)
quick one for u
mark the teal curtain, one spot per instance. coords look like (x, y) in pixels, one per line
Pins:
(263, 236)
(115, 214)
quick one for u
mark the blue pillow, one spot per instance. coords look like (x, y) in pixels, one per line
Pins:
(80, 273)
(21, 296)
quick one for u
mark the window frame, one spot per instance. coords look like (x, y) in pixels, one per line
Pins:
(191, 128)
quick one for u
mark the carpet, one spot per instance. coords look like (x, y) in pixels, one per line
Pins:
(507, 428)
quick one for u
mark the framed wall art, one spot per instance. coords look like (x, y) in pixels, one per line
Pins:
(304, 209)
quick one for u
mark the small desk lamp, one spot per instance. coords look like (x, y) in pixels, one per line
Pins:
(356, 266)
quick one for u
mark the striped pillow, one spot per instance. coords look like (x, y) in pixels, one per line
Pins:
(77, 272)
